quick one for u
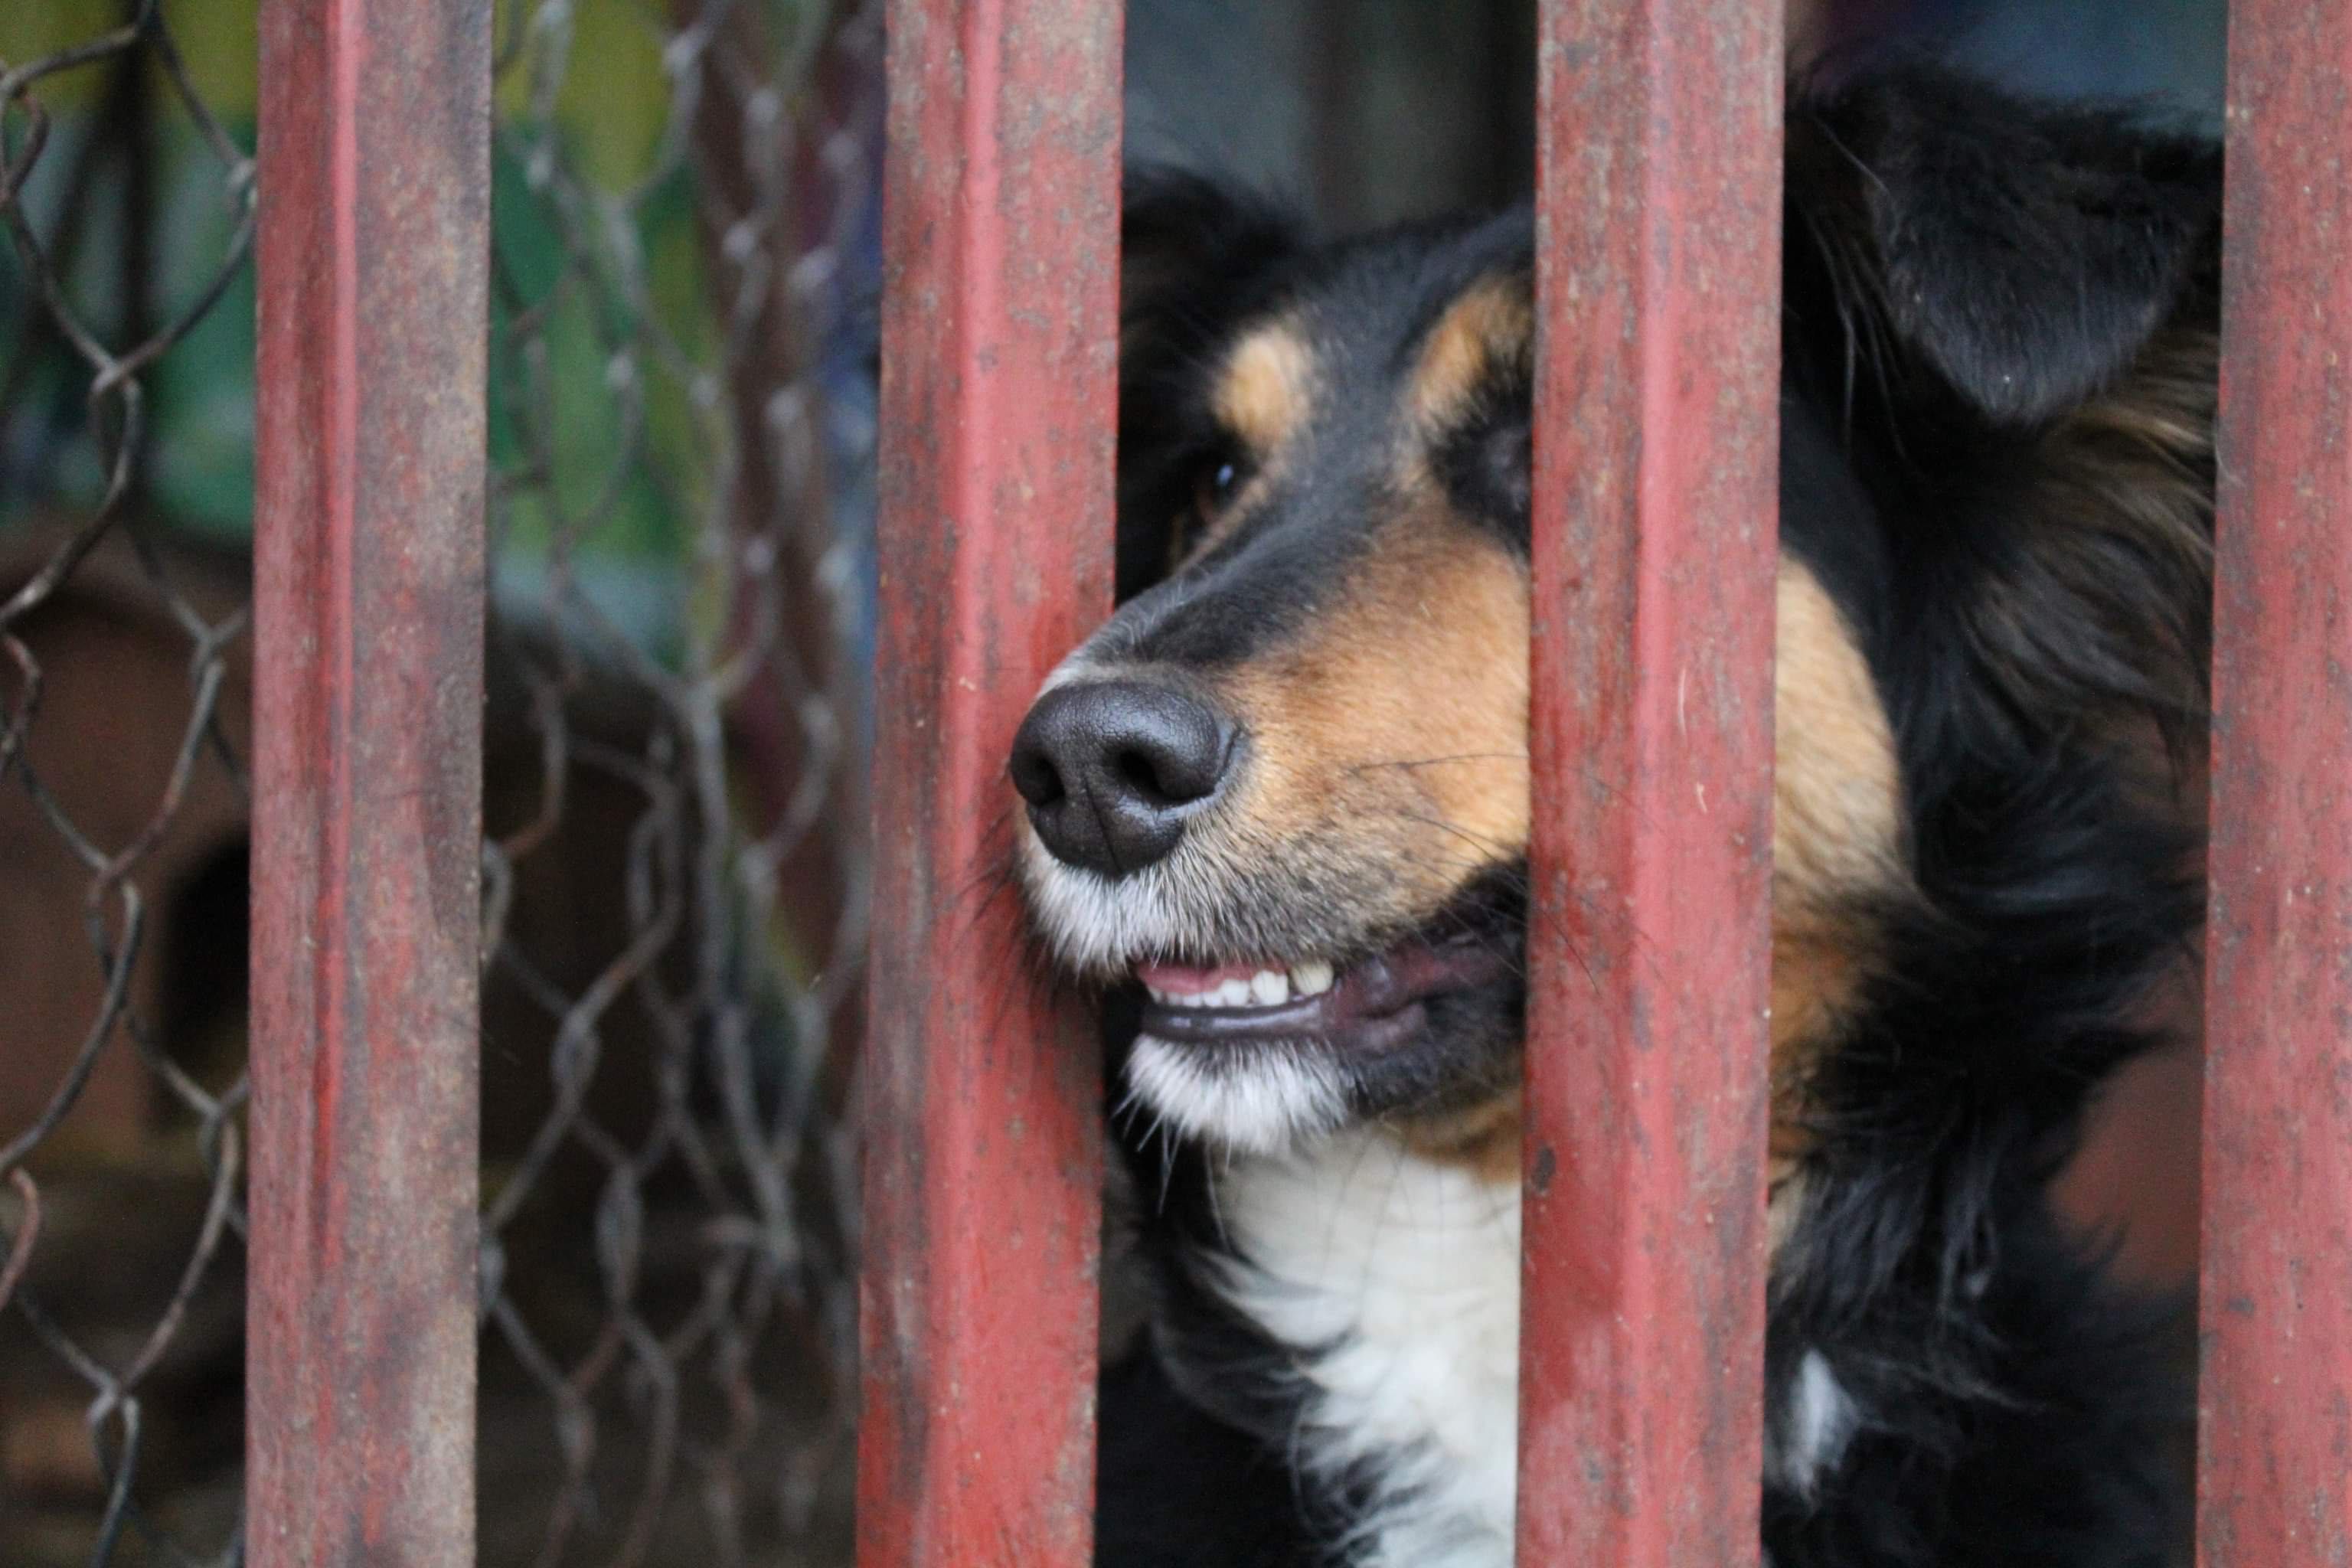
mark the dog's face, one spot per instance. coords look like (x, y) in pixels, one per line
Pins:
(1287, 789)
(1282, 798)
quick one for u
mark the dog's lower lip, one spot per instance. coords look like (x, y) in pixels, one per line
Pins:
(1368, 1004)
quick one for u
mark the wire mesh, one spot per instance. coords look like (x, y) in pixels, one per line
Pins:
(682, 230)
(113, 1120)
(675, 417)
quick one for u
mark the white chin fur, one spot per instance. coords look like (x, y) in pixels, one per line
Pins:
(1259, 1099)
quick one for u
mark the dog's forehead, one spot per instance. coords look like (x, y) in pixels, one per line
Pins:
(1421, 363)
(1345, 400)
(1358, 324)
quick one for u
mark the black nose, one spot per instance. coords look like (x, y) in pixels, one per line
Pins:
(1112, 769)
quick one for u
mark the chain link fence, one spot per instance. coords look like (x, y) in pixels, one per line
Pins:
(684, 237)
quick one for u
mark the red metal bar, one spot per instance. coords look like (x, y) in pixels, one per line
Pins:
(1655, 506)
(368, 578)
(2275, 1421)
(983, 1098)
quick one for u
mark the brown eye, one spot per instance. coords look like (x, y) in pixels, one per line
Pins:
(1217, 484)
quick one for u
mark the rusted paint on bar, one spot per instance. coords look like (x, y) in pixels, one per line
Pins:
(981, 1098)
(368, 576)
(1655, 503)
(2276, 1412)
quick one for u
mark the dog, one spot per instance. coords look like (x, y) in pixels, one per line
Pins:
(1274, 813)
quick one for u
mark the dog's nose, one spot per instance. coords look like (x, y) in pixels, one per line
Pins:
(1112, 769)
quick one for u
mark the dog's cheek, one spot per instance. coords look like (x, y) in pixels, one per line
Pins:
(1837, 836)
(1395, 724)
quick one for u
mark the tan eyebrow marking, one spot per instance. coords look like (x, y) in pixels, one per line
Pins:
(1490, 327)
(1268, 384)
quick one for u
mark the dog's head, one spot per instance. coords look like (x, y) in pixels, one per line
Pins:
(1282, 796)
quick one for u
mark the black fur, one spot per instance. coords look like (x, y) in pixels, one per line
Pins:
(2024, 259)
(1199, 260)
(1963, 273)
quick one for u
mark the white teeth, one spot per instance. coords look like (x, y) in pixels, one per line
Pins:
(1266, 988)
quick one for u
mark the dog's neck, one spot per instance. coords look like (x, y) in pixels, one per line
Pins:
(1389, 1278)
(1393, 1279)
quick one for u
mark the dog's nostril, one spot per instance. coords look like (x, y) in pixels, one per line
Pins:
(1173, 776)
(1111, 769)
(1033, 774)
(1137, 771)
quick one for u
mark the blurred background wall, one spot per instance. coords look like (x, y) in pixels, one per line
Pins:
(1365, 111)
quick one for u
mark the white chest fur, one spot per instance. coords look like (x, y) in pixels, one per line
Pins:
(1397, 1278)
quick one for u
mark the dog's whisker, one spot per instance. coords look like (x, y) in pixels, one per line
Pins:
(1413, 764)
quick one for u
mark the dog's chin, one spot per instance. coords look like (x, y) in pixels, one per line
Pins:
(1261, 1099)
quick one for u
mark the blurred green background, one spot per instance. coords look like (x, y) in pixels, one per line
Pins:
(602, 318)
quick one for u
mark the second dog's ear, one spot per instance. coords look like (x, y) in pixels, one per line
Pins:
(2024, 253)
(1196, 259)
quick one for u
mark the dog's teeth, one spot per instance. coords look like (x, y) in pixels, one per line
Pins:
(1197, 999)
(1268, 986)
(1233, 992)
(1311, 979)
(1165, 999)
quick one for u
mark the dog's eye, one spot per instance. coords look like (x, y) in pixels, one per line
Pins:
(1218, 481)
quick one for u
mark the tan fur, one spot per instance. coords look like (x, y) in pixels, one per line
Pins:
(1266, 387)
(1265, 393)
(1483, 1140)
(1400, 716)
(1485, 330)
(1837, 826)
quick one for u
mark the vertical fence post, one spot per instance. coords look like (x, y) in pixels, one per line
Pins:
(2276, 1417)
(368, 582)
(982, 1099)
(1658, 223)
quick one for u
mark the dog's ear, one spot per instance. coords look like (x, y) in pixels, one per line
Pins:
(2023, 253)
(1196, 259)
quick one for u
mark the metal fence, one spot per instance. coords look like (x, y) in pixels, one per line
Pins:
(717, 1370)
(1643, 1279)
(680, 206)
(85, 340)
(625, 1321)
